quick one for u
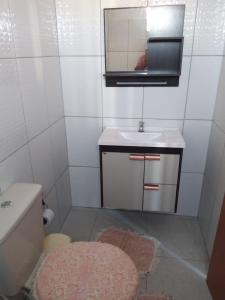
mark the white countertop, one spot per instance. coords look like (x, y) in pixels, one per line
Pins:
(151, 137)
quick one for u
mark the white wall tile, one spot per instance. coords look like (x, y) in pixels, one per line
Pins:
(53, 88)
(7, 48)
(32, 80)
(205, 208)
(41, 160)
(16, 168)
(168, 102)
(189, 194)
(220, 103)
(196, 136)
(34, 26)
(64, 195)
(85, 186)
(204, 78)
(210, 28)
(112, 122)
(52, 202)
(81, 78)
(189, 21)
(213, 227)
(164, 123)
(214, 158)
(59, 147)
(78, 27)
(122, 3)
(123, 102)
(213, 188)
(12, 123)
(82, 139)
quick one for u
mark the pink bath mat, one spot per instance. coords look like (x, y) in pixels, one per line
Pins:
(141, 250)
(153, 297)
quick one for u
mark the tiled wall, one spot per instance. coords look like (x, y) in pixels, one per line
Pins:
(214, 179)
(89, 105)
(32, 127)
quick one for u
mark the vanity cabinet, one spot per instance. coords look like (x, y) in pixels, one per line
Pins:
(122, 180)
(140, 178)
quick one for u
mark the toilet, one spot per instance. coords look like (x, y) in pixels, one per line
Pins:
(82, 270)
(21, 235)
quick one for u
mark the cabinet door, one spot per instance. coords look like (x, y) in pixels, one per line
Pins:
(159, 198)
(161, 168)
(122, 180)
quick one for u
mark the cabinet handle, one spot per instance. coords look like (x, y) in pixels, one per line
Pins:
(136, 157)
(151, 187)
(152, 157)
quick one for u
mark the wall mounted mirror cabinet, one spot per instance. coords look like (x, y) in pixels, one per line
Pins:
(144, 45)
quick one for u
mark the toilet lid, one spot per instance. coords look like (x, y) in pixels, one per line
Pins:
(87, 271)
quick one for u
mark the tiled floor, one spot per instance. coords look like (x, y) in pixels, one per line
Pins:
(181, 262)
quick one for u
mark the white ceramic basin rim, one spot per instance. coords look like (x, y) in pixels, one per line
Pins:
(141, 136)
(152, 137)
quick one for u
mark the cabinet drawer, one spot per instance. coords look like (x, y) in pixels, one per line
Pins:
(161, 168)
(159, 198)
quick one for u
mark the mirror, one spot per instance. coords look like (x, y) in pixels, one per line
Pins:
(144, 39)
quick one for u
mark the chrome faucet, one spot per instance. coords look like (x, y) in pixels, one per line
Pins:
(141, 126)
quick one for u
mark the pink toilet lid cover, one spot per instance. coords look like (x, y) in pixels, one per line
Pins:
(87, 271)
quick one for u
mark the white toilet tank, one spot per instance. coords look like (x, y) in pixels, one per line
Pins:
(21, 235)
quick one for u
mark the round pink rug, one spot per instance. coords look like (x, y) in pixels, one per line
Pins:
(153, 297)
(140, 249)
(87, 271)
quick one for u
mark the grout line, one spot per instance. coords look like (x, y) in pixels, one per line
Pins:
(61, 84)
(100, 55)
(55, 183)
(191, 59)
(29, 140)
(44, 130)
(146, 118)
(12, 153)
(94, 167)
(88, 117)
(218, 126)
(30, 57)
(143, 99)
(21, 99)
(56, 26)
(83, 166)
(189, 172)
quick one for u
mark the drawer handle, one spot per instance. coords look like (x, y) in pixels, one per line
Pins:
(151, 187)
(152, 157)
(136, 157)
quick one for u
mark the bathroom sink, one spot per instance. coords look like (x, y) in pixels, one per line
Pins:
(151, 137)
(140, 136)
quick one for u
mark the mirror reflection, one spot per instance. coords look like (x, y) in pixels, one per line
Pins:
(128, 33)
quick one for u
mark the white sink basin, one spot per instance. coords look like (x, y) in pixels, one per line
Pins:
(140, 136)
(152, 137)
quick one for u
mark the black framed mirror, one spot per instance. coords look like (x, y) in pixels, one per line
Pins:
(144, 45)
